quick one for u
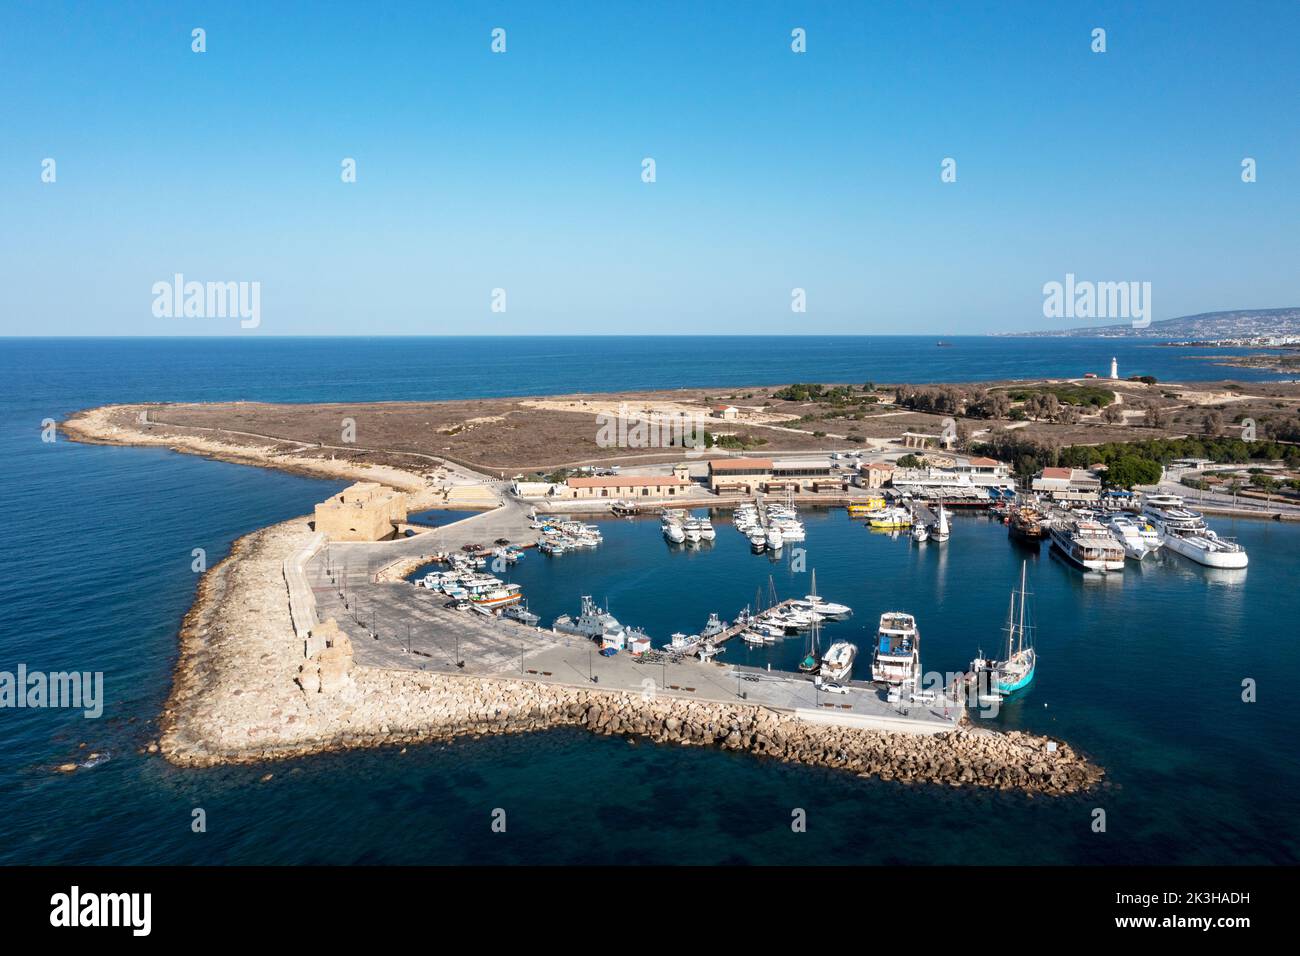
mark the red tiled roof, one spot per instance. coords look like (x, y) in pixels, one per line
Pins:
(984, 462)
(738, 464)
(1056, 473)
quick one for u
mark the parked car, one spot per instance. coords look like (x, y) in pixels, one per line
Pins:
(459, 604)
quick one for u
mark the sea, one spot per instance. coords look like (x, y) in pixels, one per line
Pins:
(1173, 678)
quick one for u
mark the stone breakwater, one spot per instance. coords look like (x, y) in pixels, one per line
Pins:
(241, 696)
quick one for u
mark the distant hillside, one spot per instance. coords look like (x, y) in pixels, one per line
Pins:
(1241, 324)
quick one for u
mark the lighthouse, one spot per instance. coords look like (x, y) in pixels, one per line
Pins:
(1114, 368)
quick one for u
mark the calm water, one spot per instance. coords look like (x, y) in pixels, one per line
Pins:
(1143, 672)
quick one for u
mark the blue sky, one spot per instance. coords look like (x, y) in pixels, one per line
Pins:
(522, 170)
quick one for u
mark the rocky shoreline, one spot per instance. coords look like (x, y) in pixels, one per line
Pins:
(244, 692)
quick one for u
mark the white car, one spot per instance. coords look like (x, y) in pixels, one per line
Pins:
(829, 687)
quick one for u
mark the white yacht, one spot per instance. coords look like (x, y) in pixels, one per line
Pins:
(920, 533)
(1186, 533)
(757, 540)
(837, 662)
(1138, 535)
(822, 606)
(774, 540)
(897, 657)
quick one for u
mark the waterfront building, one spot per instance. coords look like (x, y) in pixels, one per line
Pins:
(1068, 485)
(973, 478)
(626, 486)
(746, 476)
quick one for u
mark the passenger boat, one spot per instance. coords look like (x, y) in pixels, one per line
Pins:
(860, 509)
(897, 656)
(1015, 670)
(1186, 533)
(1086, 544)
(1137, 535)
(1026, 524)
(891, 518)
(837, 662)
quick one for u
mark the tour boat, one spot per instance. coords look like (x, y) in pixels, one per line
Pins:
(891, 518)
(1026, 524)
(1087, 545)
(1015, 671)
(1186, 533)
(498, 595)
(897, 656)
(1137, 535)
(837, 662)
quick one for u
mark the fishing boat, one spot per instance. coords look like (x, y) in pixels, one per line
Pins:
(837, 662)
(1186, 533)
(1086, 544)
(519, 612)
(681, 643)
(1015, 670)
(497, 595)
(713, 627)
(897, 656)
(1136, 534)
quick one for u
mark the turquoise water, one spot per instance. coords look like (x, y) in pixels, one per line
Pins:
(1143, 673)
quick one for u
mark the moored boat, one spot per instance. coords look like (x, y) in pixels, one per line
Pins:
(896, 659)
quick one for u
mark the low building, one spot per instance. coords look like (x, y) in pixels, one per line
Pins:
(738, 475)
(749, 475)
(625, 486)
(726, 412)
(923, 440)
(366, 511)
(875, 474)
(533, 489)
(1068, 485)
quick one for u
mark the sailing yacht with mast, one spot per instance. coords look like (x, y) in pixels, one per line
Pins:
(812, 661)
(1015, 671)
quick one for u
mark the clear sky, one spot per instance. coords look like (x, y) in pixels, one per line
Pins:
(522, 170)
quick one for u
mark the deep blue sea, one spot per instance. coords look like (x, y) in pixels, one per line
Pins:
(1144, 672)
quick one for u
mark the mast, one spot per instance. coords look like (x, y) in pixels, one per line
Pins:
(1020, 641)
(816, 620)
(1011, 621)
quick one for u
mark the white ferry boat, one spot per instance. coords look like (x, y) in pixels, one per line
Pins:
(1186, 533)
(1086, 544)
